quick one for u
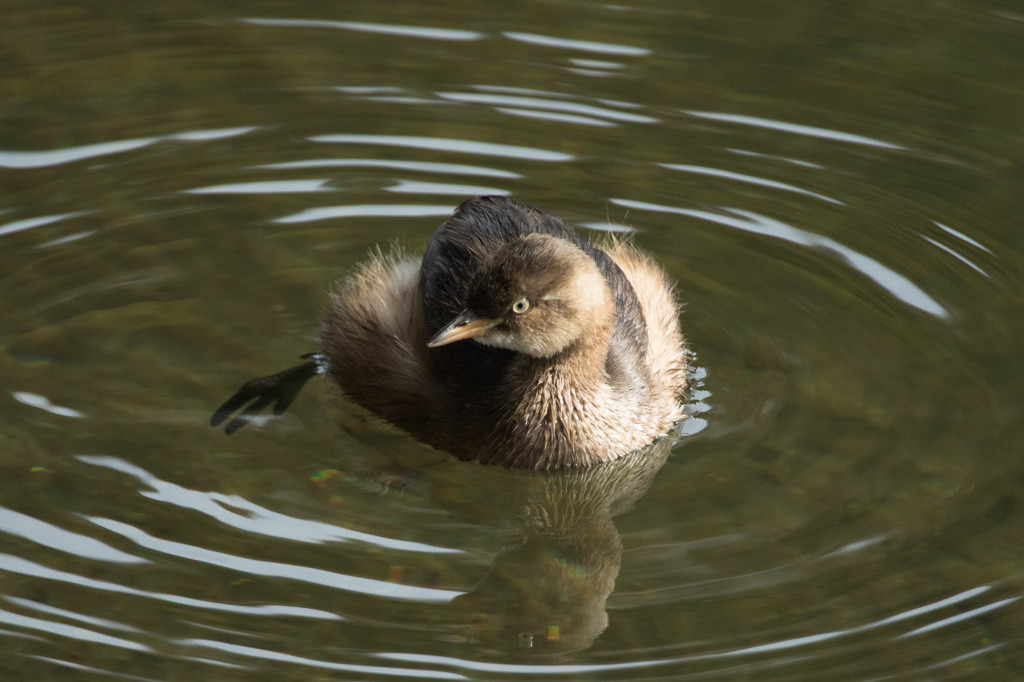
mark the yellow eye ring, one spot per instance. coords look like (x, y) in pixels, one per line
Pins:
(521, 306)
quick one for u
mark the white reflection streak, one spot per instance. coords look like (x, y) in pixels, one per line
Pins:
(482, 666)
(963, 237)
(69, 631)
(266, 655)
(963, 657)
(540, 103)
(367, 27)
(258, 520)
(90, 669)
(219, 664)
(951, 252)
(796, 129)
(43, 403)
(595, 64)
(942, 603)
(959, 617)
(20, 635)
(855, 546)
(369, 89)
(265, 187)
(591, 73)
(64, 240)
(366, 211)
(795, 162)
(890, 280)
(443, 144)
(790, 643)
(420, 166)
(935, 606)
(48, 535)
(620, 103)
(443, 188)
(29, 223)
(405, 99)
(71, 615)
(55, 157)
(14, 564)
(212, 134)
(556, 117)
(749, 179)
(582, 45)
(273, 569)
(512, 90)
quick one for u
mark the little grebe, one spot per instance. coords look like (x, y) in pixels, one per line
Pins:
(577, 356)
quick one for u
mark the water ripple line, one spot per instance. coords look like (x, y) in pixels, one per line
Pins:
(69, 631)
(581, 45)
(90, 669)
(960, 617)
(274, 569)
(443, 189)
(22, 160)
(15, 564)
(522, 102)
(444, 144)
(30, 223)
(267, 655)
(72, 615)
(310, 215)
(417, 166)
(253, 517)
(556, 117)
(399, 30)
(44, 404)
(266, 187)
(749, 179)
(960, 257)
(963, 237)
(768, 647)
(899, 286)
(54, 537)
(794, 128)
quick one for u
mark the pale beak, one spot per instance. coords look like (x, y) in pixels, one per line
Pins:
(465, 326)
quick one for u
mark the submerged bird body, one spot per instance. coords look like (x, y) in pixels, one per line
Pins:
(513, 341)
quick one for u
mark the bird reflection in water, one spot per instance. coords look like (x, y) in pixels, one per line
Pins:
(546, 596)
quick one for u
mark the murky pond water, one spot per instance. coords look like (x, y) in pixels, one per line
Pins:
(838, 190)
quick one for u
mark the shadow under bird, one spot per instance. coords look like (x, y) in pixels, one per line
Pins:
(513, 341)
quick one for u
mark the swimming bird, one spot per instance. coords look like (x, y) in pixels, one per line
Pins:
(513, 341)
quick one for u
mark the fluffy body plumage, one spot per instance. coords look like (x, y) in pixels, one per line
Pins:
(592, 369)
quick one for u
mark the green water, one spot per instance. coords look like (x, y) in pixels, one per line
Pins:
(837, 190)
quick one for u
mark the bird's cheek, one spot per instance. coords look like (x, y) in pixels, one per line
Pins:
(498, 337)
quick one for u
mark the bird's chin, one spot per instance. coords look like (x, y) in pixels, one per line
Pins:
(500, 339)
(534, 347)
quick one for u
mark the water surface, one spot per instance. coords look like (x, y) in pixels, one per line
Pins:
(836, 189)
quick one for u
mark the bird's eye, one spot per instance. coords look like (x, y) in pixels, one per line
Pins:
(521, 306)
